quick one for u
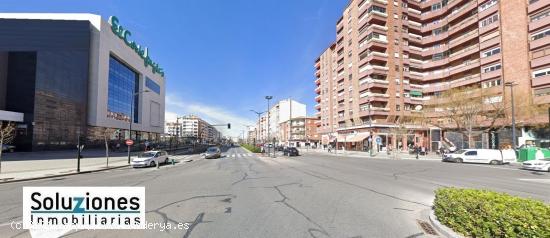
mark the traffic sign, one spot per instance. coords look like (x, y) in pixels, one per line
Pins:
(129, 142)
(378, 140)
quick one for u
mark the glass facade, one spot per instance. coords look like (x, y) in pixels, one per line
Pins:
(123, 85)
(152, 85)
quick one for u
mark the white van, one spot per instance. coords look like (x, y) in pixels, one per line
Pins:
(481, 156)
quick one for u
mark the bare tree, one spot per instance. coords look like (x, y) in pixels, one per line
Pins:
(7, 134)
(470, 109)
(107, 133)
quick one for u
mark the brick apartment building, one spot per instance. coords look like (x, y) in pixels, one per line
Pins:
(299, 132)
(392, 59)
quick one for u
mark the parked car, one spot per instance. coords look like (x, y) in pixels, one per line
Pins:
(8, 148)
(150, 158)
(482, 156)
(291, 151)
(213, 153)
(538, 165)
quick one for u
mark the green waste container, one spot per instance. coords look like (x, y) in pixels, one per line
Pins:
(527, 154)
(530, 152)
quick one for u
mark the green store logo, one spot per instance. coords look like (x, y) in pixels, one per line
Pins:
(142, 51)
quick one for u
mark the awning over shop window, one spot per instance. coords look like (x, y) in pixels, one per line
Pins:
(359, 137)
(416, 93)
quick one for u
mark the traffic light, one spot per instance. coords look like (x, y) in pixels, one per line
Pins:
(228, 125)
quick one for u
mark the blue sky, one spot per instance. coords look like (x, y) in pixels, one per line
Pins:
(221, 57)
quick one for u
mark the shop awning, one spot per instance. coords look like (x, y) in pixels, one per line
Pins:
(415, 93)
(359, 137)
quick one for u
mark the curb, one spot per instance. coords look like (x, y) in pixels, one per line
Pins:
(62, 175)
(442, 229)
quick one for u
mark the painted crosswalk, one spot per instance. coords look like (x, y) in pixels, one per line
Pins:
(239, 155)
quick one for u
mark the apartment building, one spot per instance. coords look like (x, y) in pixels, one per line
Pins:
(299, 131)
(280, 112)
(392, 59)
(192, 126)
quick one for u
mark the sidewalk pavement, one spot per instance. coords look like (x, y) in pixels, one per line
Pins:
(378, 155)
(35, 165)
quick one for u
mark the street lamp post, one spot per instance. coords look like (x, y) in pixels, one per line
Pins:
(511, 85)
(259, 122)
(371, 131)
(132, 119)
(268, 98)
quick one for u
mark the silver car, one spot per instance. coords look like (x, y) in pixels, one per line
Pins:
(150, 158)
(213, 153)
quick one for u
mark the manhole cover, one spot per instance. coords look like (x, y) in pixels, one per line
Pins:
(428, 229)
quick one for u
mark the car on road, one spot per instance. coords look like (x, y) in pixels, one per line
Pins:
(150, 158)
(8, 148)
(291, 151)
(538, 165)
(213, 153)
(481, 156)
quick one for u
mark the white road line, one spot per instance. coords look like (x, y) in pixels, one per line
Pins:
(491, 167)
(547, 181)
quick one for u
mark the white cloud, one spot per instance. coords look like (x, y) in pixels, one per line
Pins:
(211, 114)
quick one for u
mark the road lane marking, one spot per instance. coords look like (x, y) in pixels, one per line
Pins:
(546, 181)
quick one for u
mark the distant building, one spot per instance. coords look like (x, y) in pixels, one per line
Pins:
(299, 131)
(280, 112)
(193, 127)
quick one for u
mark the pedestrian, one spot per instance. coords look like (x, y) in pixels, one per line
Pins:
(117, 146)
(417, 150)
(329, 148)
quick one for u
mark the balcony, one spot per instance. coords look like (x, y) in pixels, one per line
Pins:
(540, 81)
(539, 24)
(464, 38)
(374, 111)
(539, 43)
(533, 7)
(489, 43)
(318, 90)
(540, 58)
(318, 65)
(464, 52)
(464, 66)
(466, 8)
(492, 74)
(317, 73)
(318, 106)
(490, 59)
(372, 83)
(318, 81)
(462, 25)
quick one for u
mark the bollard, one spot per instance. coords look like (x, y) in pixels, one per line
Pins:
(173, 162)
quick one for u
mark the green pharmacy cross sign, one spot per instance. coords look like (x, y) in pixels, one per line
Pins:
(143, 52)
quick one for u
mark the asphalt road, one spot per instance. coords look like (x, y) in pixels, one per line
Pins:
(314, 195)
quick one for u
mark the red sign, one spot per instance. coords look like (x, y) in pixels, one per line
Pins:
(129, 142)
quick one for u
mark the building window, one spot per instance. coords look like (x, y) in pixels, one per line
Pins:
(540, 34)
(152, 85)
(541, 73)
(541, 15)
(491, 52)
(488, 20)
(492, 83)
(491, 68)
(123, 85)
(488, 4)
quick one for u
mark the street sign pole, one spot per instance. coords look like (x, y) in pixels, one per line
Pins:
(78, 156)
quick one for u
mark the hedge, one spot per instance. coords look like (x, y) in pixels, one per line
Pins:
(482, 213)
(252, 148)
